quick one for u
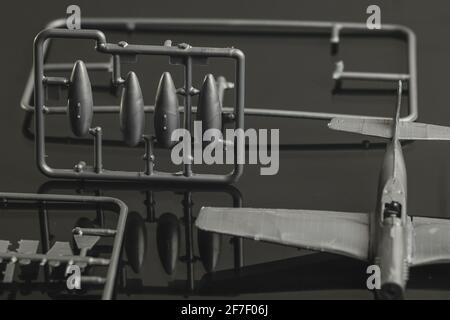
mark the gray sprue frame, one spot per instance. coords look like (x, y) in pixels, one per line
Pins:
(260, 27)
(264, 27)
(8, 200)
(185, 55)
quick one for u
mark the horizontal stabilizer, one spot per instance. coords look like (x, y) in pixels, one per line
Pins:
(383, 128)
(335, 232)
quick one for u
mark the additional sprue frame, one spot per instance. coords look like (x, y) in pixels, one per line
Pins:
(8, 199)
(260, 27)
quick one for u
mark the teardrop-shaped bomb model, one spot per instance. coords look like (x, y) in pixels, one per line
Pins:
(209, 249)
(80, 100)
(168, 241)
(135, 241)
(167, 116)
(209, 109)
(132, 117)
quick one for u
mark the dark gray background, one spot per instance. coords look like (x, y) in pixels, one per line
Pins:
(281, 72)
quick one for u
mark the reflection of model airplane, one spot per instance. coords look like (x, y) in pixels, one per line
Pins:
(389, 238)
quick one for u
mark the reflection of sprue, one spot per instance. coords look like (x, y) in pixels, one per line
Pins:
(168, 231)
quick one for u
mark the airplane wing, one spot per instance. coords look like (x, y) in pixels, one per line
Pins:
(343, 233)
(383, 128)
(431, 241)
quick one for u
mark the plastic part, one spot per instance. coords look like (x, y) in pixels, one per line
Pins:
(132, 117)
(167, 117)
(209, 109)
(80, 100)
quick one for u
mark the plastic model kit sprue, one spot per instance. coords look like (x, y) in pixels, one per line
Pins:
(60, 255)
(389, 238)
(80, 107)
(209, 110)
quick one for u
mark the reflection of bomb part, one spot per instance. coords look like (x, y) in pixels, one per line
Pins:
(135, 241)
(132, 109)
(209, 249)
(168, 238)
(168, 235)
(168, 241)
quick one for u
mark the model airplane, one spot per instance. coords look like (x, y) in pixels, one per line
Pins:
(389, 238)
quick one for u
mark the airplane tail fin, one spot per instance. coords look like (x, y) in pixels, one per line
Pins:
(396, 117)
(391, 128)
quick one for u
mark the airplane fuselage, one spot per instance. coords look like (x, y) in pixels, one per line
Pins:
(390, 227)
